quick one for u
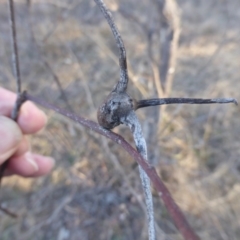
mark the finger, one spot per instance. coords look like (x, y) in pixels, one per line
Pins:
(23, 165)
(45, 165)
(31, 119)
(10, 135)
(30, 165)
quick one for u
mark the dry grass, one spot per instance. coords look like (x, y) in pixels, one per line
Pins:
(94, 192)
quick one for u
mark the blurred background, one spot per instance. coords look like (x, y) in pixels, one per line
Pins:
(175, 48)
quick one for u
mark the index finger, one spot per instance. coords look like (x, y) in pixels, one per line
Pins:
(31, 119)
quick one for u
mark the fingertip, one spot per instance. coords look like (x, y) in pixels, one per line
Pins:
(23, 165)
(31, 119)
(30, 165)
(44, 163)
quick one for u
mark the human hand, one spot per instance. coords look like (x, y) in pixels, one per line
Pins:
(13, 141)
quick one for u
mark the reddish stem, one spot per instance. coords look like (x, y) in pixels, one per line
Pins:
(175, 212)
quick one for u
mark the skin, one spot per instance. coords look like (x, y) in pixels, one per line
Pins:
(14, 144)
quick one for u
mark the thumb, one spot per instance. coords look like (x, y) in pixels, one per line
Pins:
(10, 138)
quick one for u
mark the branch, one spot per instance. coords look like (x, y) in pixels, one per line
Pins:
(118, 108)
(165, 101)
(20, 96)
(122, 83)
(132, 122)
(15, 62)
(175, 212)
